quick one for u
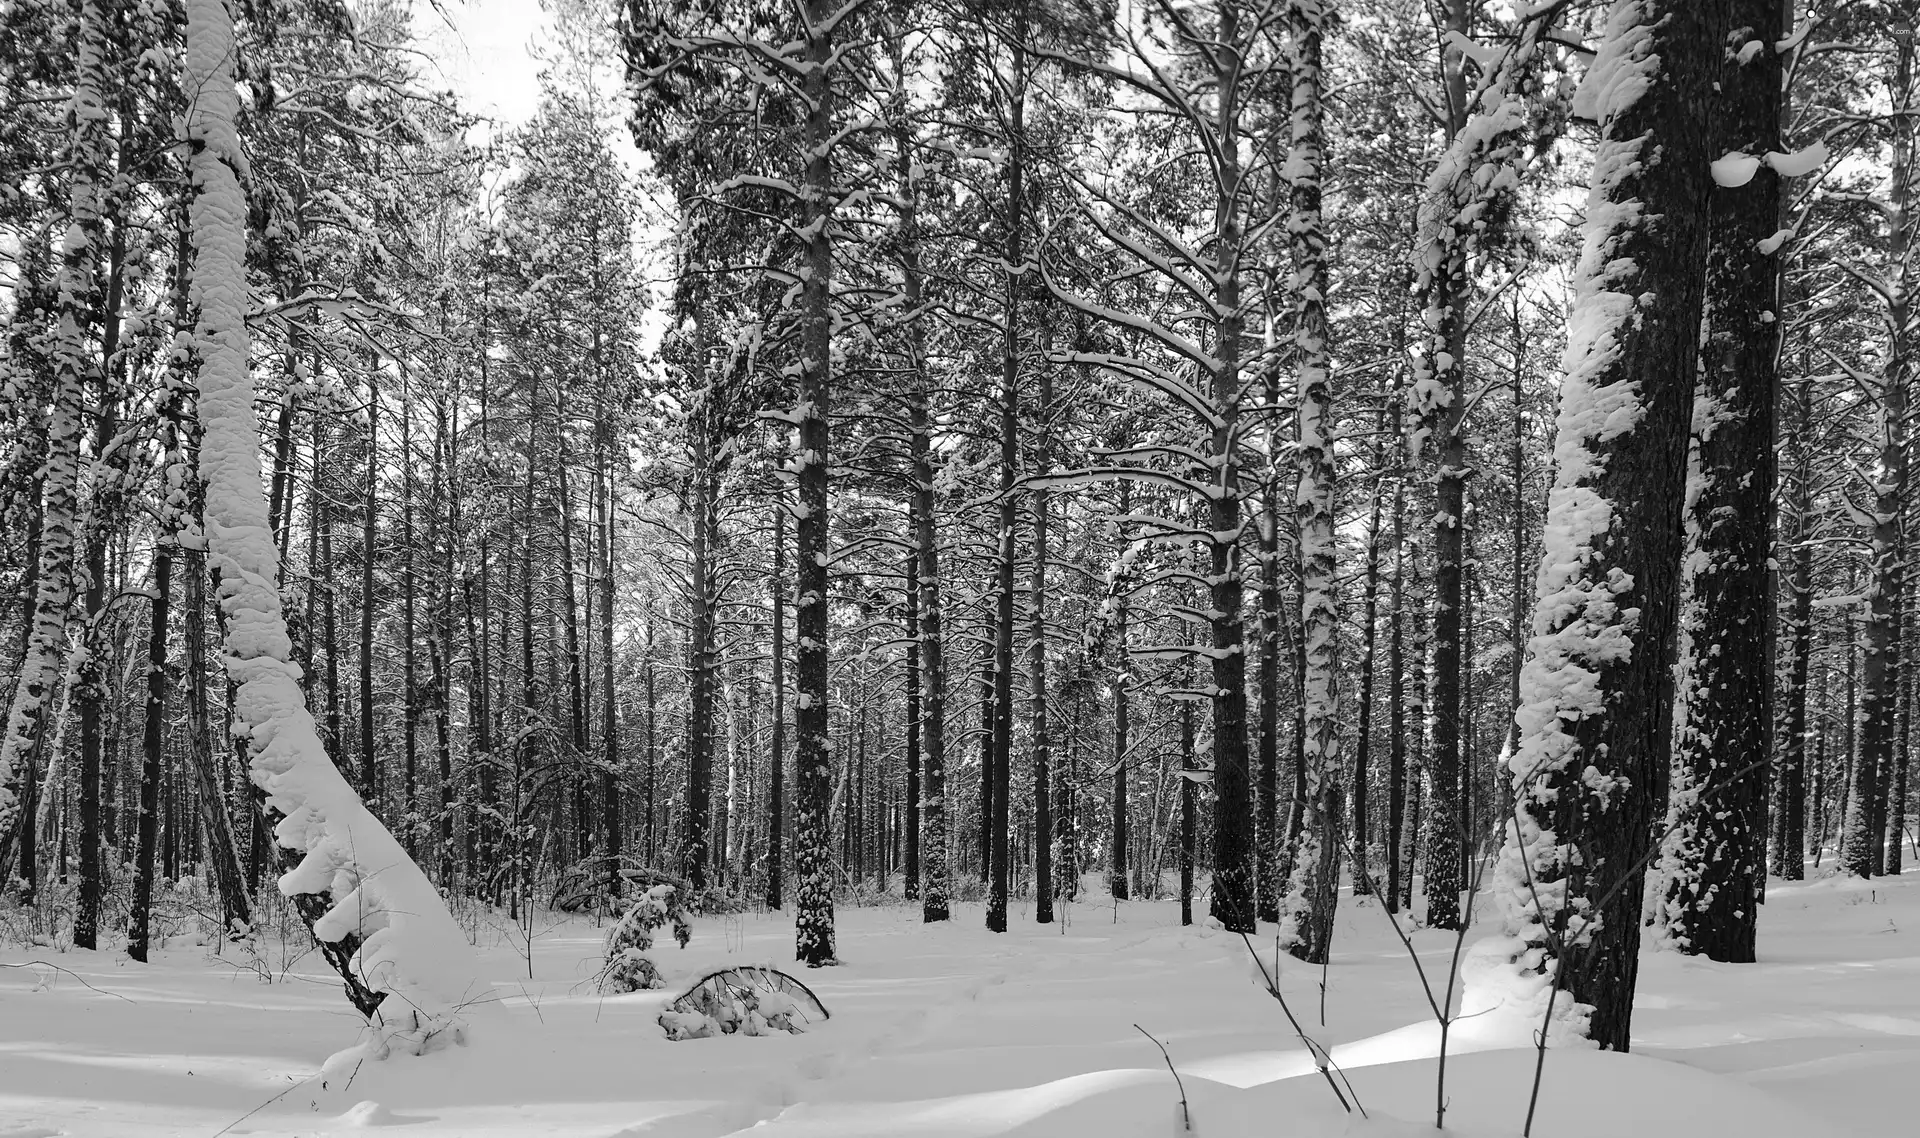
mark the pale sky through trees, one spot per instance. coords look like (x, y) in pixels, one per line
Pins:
(485, 55)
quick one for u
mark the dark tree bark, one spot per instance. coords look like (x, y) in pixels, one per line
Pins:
(1363, 732)
(369, 504)
(1045, 824)
(1445, 420)
(1790, 851)
(1122, 679)
(139, 919)
(1010, 360)
(1719, 843)
(1880, 671)
(703, 661)
(1395, 884)
(813, 926)
(1188, 790)
(1584, 815)
(1267, 903)
(910, 599)
(777, 763)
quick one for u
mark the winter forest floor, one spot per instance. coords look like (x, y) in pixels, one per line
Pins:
(949, 1030)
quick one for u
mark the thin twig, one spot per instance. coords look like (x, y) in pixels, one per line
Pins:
(1186, 1114)
(70, 972)
(1322, 1058)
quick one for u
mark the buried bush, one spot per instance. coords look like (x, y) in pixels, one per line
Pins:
(627, 968)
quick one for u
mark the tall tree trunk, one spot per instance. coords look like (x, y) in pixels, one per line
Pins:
(1370, 614)
(409, 614)
(370, 507)
(910, 599)
(1015, 261)
(152, 752)
(1440, 393)
(1271, 884)
(930, 679)
(221, 841)
(1897, 780)
(1122, 718)
(695, 851)
(1718, 846)
(1189, 776)
(1880, 674)
(1045, 824)
(985, 825)
(1571, 872)
(777, 763)
(1790, 852)
(1397, 684)
(1307, 915)
(570, 613)
(75, 368)
(813, 925)
(90, 694)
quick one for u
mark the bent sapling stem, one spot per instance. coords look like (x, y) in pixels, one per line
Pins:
(1322, 1058)
(1186, 1113)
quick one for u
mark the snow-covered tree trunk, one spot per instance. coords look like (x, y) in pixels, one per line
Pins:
(813, 850)
(75, 367)
(1595, 728)
(1880, 672)
(354, 883)
(1306, 918)
(1233, 834)
(1439, 397)
(1488, 139)
(1717, 850)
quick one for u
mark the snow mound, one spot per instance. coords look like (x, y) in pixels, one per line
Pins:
(367, 1113)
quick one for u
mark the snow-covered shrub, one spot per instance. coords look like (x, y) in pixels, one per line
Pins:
(749, 1000)
(627, 967)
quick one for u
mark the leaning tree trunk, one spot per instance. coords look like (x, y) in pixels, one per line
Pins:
(355, 886)
(1717, 850)
(1573, 864)
(1307, 915)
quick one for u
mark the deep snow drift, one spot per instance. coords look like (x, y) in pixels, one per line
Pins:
(952, 1031)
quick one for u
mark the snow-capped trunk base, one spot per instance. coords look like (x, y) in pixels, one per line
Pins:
(354, 885)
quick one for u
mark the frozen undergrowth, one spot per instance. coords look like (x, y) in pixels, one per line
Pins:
(949, 1030)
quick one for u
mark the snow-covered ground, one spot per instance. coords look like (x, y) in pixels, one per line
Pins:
(949, 1030)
